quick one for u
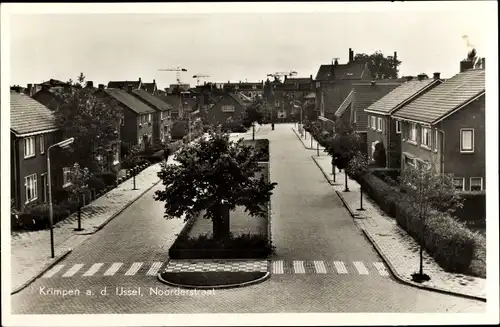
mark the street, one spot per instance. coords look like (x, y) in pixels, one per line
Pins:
(323, 261)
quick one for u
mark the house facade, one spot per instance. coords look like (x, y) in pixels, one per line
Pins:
(32, 131)
(249, 89)
(229, 108)
(384, 132)
(290, 97)
(446, 128)
(162, 122)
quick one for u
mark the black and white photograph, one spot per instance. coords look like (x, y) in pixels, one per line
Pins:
(190, 164)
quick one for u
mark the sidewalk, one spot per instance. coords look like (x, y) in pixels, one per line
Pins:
(398, 249)
(306, 141)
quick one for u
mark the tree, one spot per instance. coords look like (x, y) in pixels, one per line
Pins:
(255, 114)
(79, 178)
(430, 190)
(381, 67)
(131, 159)
(93, 122)
(358, 167)
(215, 175)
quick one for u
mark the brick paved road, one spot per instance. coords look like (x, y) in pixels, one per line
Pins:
(310, 226)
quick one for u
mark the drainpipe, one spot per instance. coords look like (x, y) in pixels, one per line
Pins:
(16, 179)
(388, 133)
(442, 149)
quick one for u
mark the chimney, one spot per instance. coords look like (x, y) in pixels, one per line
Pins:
(437, 75)
(101, 86)
(285, 77)
(90, 84)
(351, 55)
(483, 63)
(140, 80)
(373, 83)
(395, 56)
(421, 77)
(129, 88)
(465, 65)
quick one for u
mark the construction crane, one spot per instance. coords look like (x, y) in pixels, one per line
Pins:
(199, 77)
(281, 74)
(178, 71)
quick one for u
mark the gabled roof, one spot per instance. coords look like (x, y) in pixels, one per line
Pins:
(152, 100)
(445, 98)
(353, 70)
(397, 97)
(343, 107)
(299, 80)
(123, 84)
(130, 101)
(28, 115)
(237, 99)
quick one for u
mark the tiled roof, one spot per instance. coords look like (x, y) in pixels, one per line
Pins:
(172, 100)
(152, 100)
(123, 84)
(299, 80)
(400, 95)
(444, 98)
(343, 107)
(237, 99)
(130, 101)
(353, 70)
(28, 115)
(332, 96)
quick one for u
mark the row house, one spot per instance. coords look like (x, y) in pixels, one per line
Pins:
(136, 85)
(362, 95)
(445, 128)
(384, 132)
(227, 109)
(290, 97)
(250, 89)
(32, 130)
(333, 84)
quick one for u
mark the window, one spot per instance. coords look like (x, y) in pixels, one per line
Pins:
(139, 140)
(45, 187)
(276, 103)
(227, 108)
(66, 176)
(236, 87)
(425, 140)
(122, 121)
(29, 147)
(116, 155)
(374, 145)
(379, 124)
(41, 141)
(459, 183)
(292, 95)
(254, 87)
(318, 85)
(31, 188)
(467, 140)
(149, 117)
(374, 122)
(413, 132)
(398, 127)
(436, 140)
(476, 183)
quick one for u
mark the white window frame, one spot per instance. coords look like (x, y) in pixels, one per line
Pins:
(412, 137)
(436, 133)
(66, 176)
(463, 182)
(116, 155)
(318, 85)
(373, 122)
(236, 87)
(470, 183)
(29, 147)
(461, 140)
(254, 87)
(139, 140)
(379, 124)
(150, 117)
(227, 108)
(398, 127)
(428, 143)
(41, 142)
(34, 188)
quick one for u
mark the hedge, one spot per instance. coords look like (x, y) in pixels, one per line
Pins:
(261, 146)
(449, 241)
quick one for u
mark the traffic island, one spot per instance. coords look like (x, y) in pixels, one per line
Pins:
(212, 280)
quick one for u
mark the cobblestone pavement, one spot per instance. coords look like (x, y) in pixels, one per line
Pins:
(309, 227)
(216, 265)
(399, 248)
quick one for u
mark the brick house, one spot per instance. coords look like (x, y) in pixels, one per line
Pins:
(136, 127)
(125, 85)
(446, 127)
(362, 95)
(384, 132)
(150, 87)
(32, 130)
(228, 108)
(288, 97)
(250, 89)
(161, 118)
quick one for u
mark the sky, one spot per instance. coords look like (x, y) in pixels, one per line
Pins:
(240, 45)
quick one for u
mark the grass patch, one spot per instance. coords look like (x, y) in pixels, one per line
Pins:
(211, 279)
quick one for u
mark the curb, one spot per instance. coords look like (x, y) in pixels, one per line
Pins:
(301, 141)
(351, 212)
(414, 284)
(322, 171)
(252, 282)
(44, 269)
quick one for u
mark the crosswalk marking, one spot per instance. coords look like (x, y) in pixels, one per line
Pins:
(73, 270)
(154, 268)
(341, 268)
(113, 269)
(381, 268)
(53, 271)
(95, 267)
(133, 269)
(360, 267)
(320, 267)
(278, 267)
(298, 267)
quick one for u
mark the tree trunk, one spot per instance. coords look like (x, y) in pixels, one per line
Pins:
(221, 223)
(253, 131)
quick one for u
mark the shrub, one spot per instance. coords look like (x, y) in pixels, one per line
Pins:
(174, 146)
(108, 177)
(59, 195)
(261, 146)
(240, 242)
(36, 216)
(97, 184)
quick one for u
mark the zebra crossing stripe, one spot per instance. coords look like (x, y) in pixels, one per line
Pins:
(53, 271)
(95, 267)
(154, 268)
(278, 267)
(133, 269)
(381, 268)
(113, 269)
(341, 268)
(360, 267)
(73, 270)
(298, 267)
(320, 267)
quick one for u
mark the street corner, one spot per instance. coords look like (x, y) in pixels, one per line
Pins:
(214, 274)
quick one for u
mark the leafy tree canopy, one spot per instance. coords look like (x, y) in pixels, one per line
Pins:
(381, 67)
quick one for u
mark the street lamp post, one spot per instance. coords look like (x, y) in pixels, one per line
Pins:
(63, 144)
